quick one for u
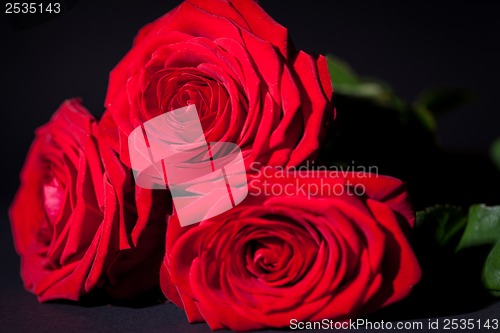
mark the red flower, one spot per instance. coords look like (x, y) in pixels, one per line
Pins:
(233, 62)
(66, 221)
(276, 258)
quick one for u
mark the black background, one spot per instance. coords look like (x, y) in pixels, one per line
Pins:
(412, 45)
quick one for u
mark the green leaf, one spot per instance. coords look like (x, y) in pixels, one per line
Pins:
(340, 72)
(491, 272)
(483, 226)
(346, 82)
(439, 229)
(434, 102)
(495, 152)
(426, 118)
(439, 101)
(444, 224)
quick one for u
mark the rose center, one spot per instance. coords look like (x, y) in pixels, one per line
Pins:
(265, 256)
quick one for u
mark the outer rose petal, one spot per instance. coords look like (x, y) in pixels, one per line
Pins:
(140, 223)
(249, 15)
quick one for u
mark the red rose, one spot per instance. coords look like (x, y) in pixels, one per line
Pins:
(233, 61)
(306, 257)
(58, 217)
(66, 223)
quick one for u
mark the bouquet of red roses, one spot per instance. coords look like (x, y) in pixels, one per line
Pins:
(221, 172)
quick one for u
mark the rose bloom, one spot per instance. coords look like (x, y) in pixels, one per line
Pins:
(274, 258)
(234, 62)
(66, 222)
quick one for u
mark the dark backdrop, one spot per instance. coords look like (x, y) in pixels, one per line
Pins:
(412, 45)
